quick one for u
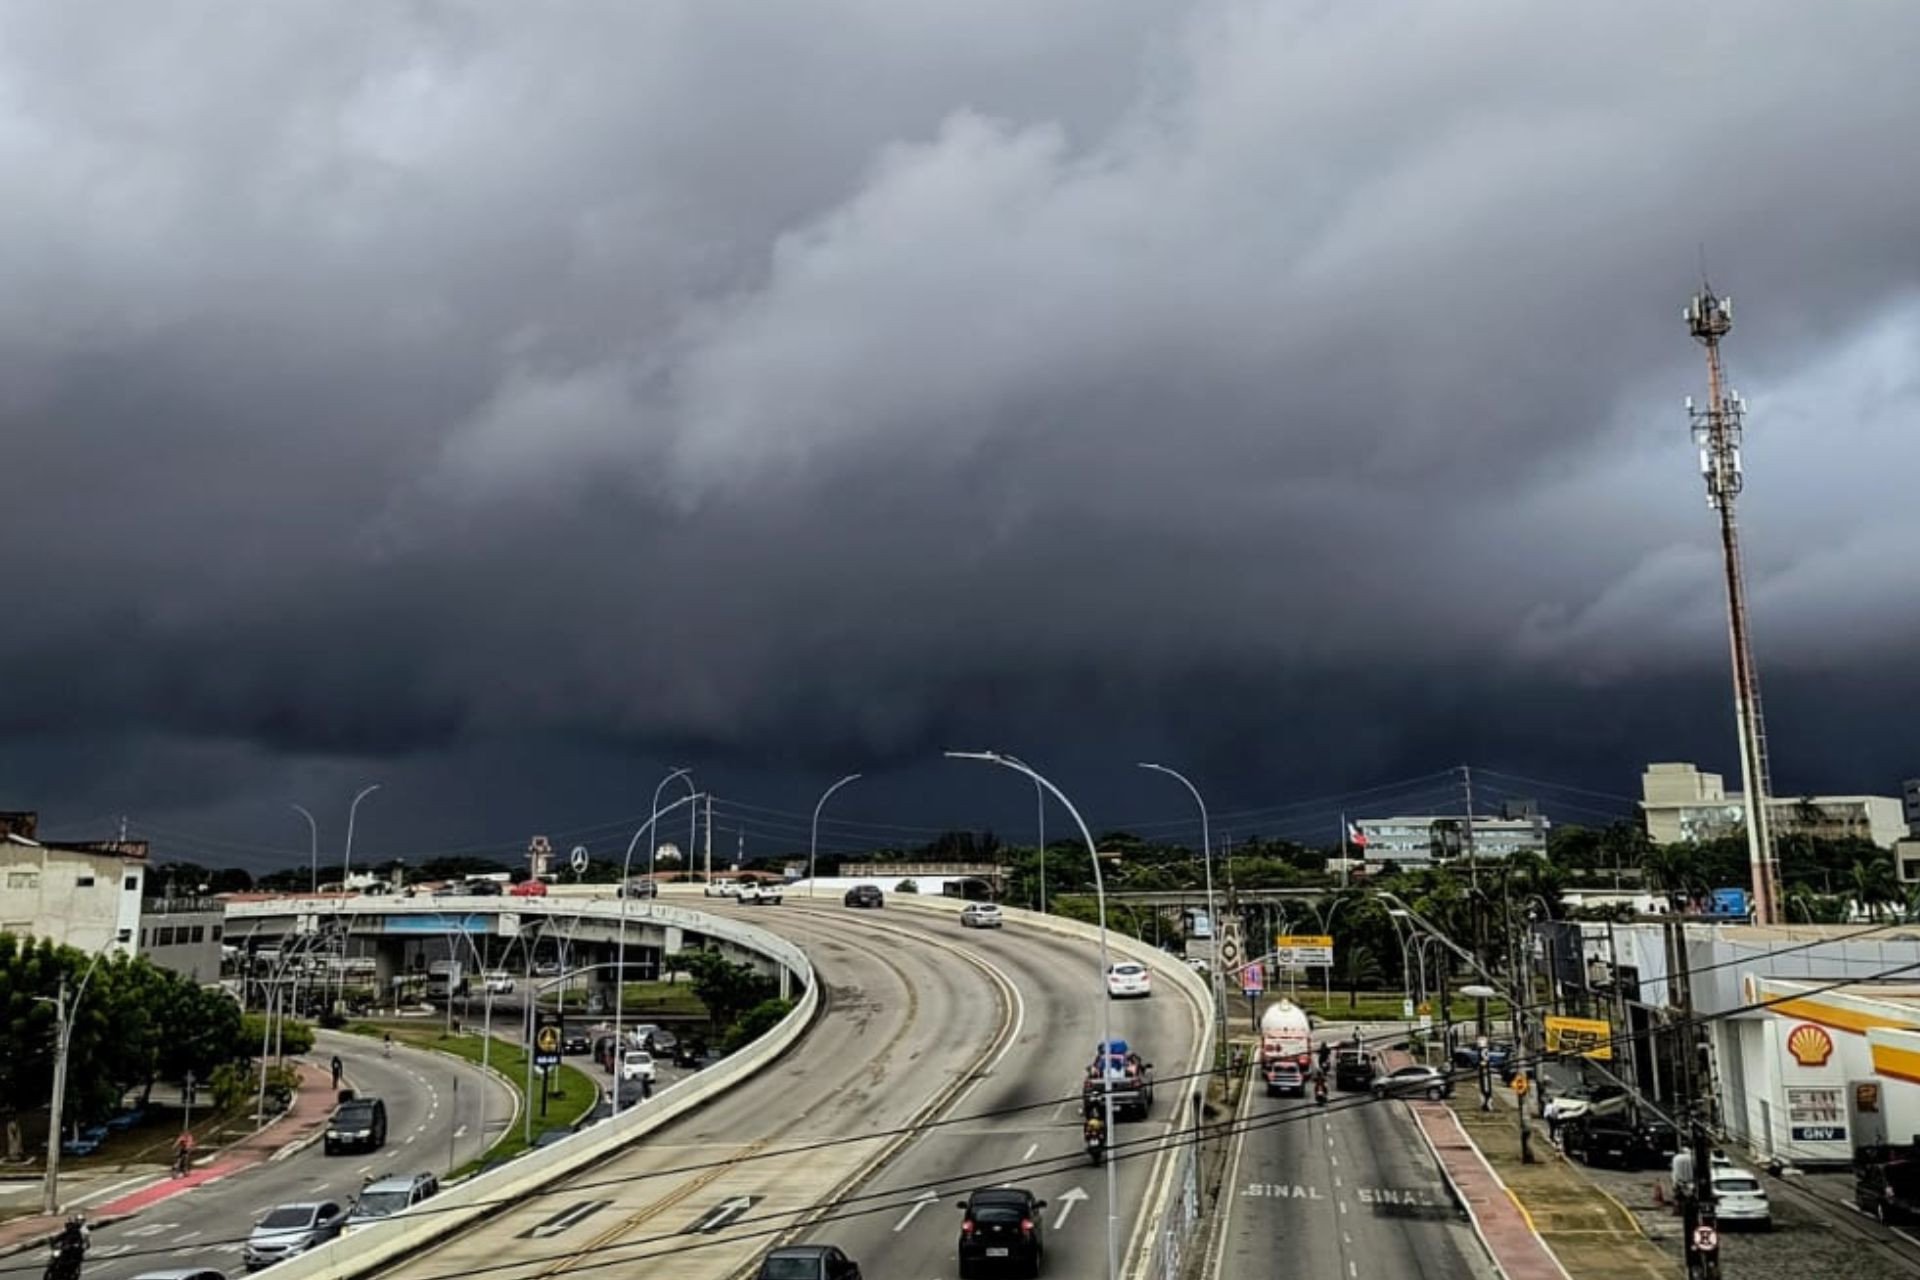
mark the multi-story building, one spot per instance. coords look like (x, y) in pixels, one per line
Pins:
(1910, 802)
(184, 935)
(1418, 841)
(1682, 805)
(83, 894)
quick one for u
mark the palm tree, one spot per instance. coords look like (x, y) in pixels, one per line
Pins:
(1873, 885)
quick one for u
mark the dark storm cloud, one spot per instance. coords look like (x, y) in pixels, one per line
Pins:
(801, 384)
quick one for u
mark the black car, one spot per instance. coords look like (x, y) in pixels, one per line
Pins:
(638, 887)
(807, 1262)
(481, 889)
(1000, 1230)
(1886, 1182)
(1656, 1142)
(1353, 1070)
(866, 895)
(1613, 1140)
(357, 1125)
(576, 1042)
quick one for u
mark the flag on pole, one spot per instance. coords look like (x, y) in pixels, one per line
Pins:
(1356, 836)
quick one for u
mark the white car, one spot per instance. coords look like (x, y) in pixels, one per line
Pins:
(1127, 980)
(759, 894)
(636, 1064)
(722, 888)
(499, 983)
(980, 915)
(1739, 1197)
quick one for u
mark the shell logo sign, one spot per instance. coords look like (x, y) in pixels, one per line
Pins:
(1810, 1045)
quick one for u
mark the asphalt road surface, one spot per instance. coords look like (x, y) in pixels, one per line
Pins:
(1346, 1189)
(430, 1126)
(922, 1018)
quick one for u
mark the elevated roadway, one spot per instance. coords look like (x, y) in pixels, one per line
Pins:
(922, 1022)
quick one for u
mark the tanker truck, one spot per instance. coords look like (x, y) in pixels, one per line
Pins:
(1286, 1049)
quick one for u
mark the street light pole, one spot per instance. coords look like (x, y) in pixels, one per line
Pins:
(813, 841)
(1213, 921)
(653, 846)
(63, 1015)
(1040, 805)
(1106, 1008)
(313, 843)
(346, 864)
(620, 972)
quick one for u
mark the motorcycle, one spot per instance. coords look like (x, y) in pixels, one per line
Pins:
(1320, 1091)
(65, 1263)
(1096, 1144)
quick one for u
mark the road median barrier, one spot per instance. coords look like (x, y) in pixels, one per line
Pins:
(381, 1244)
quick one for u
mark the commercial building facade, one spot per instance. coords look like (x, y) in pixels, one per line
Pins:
(184, 935)
(1680, 804)
(1420, 841)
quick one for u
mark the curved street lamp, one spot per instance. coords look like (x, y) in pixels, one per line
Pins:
(620, 976)
(1106, 1008)
(313, 843)
(1213, 918)
(813, 841)
(346, 864)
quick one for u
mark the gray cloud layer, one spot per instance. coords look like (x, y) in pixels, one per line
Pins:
(391, 378)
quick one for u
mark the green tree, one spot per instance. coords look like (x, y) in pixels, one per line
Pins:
(757, 1021)
(726, 987)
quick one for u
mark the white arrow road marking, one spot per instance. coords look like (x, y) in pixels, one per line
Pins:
(1067, 1201)
(565, 1219)
(926, 1198)
(1030, 1150)
(721, 1215)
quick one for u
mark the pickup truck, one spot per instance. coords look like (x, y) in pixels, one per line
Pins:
(758, 894)
(1130, 1077)
(1886, 1182)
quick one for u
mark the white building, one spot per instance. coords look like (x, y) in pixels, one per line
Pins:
(1682, 805)
(83, 895)
(1419, 841)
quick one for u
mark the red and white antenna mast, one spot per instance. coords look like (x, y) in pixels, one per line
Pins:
(1716, 430)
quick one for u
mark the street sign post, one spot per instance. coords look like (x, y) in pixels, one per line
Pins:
(1299, 951)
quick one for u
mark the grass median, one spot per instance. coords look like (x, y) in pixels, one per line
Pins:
(574, 1092)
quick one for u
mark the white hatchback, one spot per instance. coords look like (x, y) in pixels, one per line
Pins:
(980, 915)
(1127, 979)
(637, 1064)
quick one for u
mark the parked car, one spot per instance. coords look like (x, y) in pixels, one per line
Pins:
(1739, 1197)
(639, 887)
(1128, 980)
(1500, 1058)
(980, 915)
(866, 895)
(1000, 1227)
(499, 982)
(359, 1124)
(529, 889)
(1352, 1070)
(1886, 1181)
(1610, 1140)
(721, 888)
(1413, 1082)
(388, 1196)
(289, 1229)
(637, 1064)
(807, 1262)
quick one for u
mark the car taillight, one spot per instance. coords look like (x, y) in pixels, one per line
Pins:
(1026, 1226)
(966, 1227)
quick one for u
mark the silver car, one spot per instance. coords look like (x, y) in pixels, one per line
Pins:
(291, 1229)
(1414, 1082)
(1739, 1197)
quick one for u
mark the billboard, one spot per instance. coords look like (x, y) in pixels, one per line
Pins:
(1587, 1037)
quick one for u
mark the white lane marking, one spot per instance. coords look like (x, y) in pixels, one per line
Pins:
(461, 1132)
(926, 1198)
(1013, 1036)
(152, 1229)
(1353, 1269)
(1067, 1200)
(1335, 1160)
(365, 1168)
(111, 1251)
(1336, 1180)
(1343, 1206)
(409, 1141)
(1030, 1150)
(185, 1236)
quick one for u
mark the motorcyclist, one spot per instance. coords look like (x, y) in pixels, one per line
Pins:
(1319, 1084)
(1094, 1130)
(69, 1247)
(1326, 1054)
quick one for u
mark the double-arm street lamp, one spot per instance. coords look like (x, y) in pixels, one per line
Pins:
(813, 840)
(626, 895)
(1106, 1007)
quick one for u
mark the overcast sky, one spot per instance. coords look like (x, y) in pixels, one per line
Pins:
(505, 401)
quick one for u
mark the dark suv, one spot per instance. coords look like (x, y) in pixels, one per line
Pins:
(1602, 1140)
(359, 1124)
(866, 895)
(1001, 1229)
(1353, 1070)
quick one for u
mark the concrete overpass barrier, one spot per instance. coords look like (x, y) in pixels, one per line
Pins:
(383, 1243)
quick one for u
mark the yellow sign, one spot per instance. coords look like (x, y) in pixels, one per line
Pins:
(548, 1039)
(1587, 1037)
(1520, 1084)
(1302, 940)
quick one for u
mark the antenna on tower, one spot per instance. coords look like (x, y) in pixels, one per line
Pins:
(1717, 429)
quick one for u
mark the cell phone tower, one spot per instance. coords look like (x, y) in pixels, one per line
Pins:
(1716, 430)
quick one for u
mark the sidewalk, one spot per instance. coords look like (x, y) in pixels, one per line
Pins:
(295, 1128)
(1541, 1221)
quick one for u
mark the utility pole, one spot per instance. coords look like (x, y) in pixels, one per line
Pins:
(1716, 431)
(1473, 894)
(63, 1038)
(709, 837)
(1701, 1242)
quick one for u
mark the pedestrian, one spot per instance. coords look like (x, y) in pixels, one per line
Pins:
(1552, 1116)
(338, 1070)
(1681, 1171)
